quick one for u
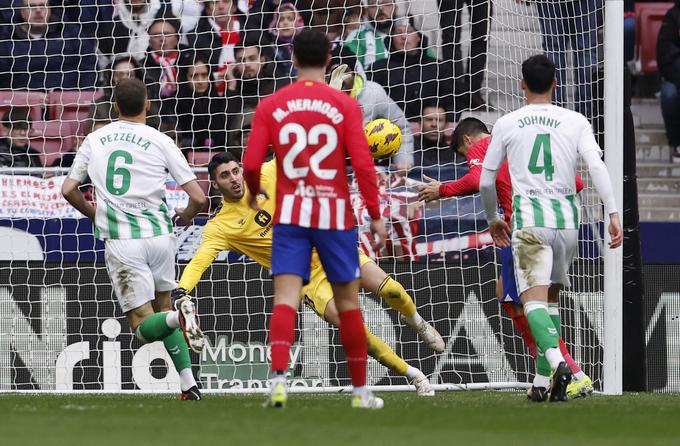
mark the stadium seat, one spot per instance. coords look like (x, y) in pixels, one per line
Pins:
(71, 106)
(649, 19)
(34, 100)
(52, 138)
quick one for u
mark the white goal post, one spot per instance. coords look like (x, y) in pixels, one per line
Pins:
(61, 329)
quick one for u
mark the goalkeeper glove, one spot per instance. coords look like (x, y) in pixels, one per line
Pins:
(177, 296)
(338, 76)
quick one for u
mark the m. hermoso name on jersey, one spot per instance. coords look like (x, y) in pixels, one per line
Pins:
(315, 105)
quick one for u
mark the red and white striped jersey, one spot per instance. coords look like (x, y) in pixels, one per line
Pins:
(312, 129)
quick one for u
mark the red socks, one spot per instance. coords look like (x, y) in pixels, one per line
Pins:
(522, 327)
(282, 335)
(353, 339)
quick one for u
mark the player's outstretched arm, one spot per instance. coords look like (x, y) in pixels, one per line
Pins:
(499, 229)
(211, 245)
(197, 201)
(603, 185)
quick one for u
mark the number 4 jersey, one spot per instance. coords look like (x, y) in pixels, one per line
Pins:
(312, 129)
(542, 143)
(128, 164)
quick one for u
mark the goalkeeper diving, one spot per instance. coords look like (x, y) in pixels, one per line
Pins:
(239, 228)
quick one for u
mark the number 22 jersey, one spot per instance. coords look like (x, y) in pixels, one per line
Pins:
(128, 164)
(312, 129)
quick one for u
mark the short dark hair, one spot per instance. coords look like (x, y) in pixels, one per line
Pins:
(218, 160)
(432, 103)
(538, 73)
(17, 117)
(467, 127)
(311, 48)
(130, 96)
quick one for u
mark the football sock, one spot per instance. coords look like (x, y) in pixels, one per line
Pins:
(281, 336)
(579, 375)
(542, 365)
(176, 346)
(154, 328)
(353, 339)
(384, 354)
(397, 298)
(573, 365)
(186, 379)
(542, 381)
(554, 312)
(172, 319)
(522, 327)
(544, 331)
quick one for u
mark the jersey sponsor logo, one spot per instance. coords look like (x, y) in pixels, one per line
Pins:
(263, 218)
(475, 162)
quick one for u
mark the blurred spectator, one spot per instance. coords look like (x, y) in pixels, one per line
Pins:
(409, 75)
(124, 66)
(326, 15)
(375, 104)
(39, 52)
(287, 22)
(571, 24)
(431, 146)
(668, 58)
(252, 77)
(15, 149)
(262, 11)
(161, 62)
(360, 38)
(239, 131)
(188, 12)
(381, 15)
(450, 14)
(218, 33)
(128, 31)
(66, 160)
(628, 31)
(201, 113)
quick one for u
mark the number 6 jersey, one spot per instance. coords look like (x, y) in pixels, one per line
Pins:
(312, 129)
(542, 143)
(128, 164)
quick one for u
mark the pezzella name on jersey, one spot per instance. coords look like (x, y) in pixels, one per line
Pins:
(315, 105)
(125, 137)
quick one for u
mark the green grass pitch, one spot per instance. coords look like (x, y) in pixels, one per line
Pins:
(450, 418)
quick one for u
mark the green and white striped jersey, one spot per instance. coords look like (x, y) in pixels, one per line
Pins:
(542, 143)
(128, 164)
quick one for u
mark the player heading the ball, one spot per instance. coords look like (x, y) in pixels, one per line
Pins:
(313, 129)
(542, 143)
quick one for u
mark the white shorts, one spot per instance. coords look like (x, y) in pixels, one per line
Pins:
(140, 267)
(542, 256)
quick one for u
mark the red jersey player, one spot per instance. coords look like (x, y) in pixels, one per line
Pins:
(313, 129)
(471, 138)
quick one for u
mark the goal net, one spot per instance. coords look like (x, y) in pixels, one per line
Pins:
(61, 328)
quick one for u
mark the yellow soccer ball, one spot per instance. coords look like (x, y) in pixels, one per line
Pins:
(384, 138)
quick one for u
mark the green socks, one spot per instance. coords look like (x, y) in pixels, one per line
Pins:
(154, 328)
(544, 332)
(554, 312)
(176, 345)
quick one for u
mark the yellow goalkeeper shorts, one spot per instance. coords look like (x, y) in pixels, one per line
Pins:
(318, 292)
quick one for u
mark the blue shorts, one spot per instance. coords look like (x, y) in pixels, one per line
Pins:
(508, 275)
(292, 252)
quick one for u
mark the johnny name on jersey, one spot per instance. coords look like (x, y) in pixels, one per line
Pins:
(128, 164)
(542, 143)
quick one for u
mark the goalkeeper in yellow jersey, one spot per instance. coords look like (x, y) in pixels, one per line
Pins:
(239, 228)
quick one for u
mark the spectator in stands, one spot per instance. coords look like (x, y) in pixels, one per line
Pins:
(39, 52)
(201, 113)
(360, 38)
(124, 66)
(381, 15)
(253, 77)
(409, 75)
(571, 24)
(162, 61)
(375, 104)
(450, 15)
(286, 23)
(66, 160)
(668, 58)
(239, 132)
(217, 33)
(128, 31)
(431, 147)
(15, 149)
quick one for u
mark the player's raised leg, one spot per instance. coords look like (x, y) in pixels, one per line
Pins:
(375, 280)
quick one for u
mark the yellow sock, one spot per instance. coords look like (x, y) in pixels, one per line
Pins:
(384, 354)
(396, 297)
